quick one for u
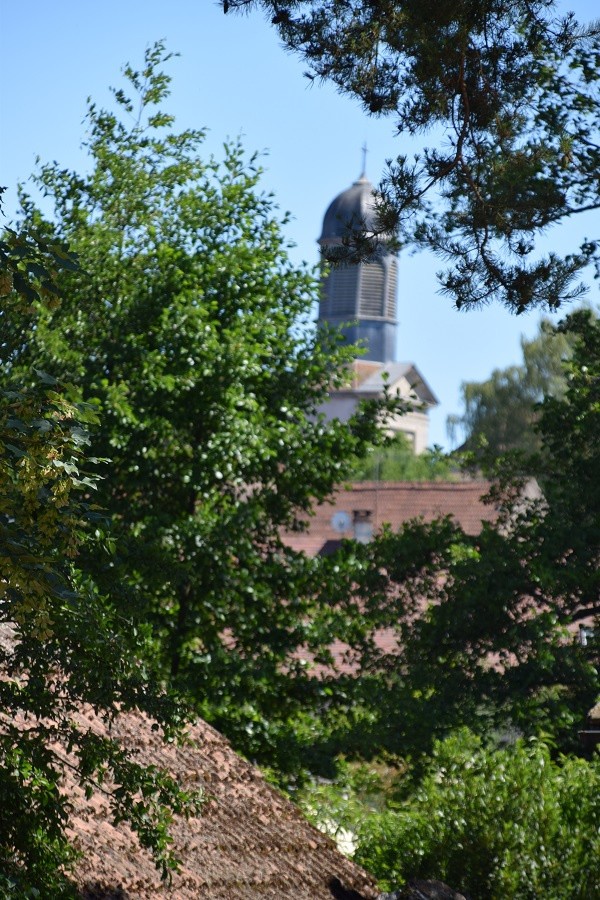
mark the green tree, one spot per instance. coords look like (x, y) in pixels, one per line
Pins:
(61, 642)
(398, 462)
(506, 823)
(508, 92)
(500, 414)
(482, 629)
(188, 327)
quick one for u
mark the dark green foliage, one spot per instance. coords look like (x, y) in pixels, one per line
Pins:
(62, 643)
(508, 92)
(503, 824)
(568, 474)
(482, 629)
(188, 327)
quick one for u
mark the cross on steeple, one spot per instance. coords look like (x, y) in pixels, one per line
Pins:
(363, 174)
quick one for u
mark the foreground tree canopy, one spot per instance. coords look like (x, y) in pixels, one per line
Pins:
(187, 327)
(62, 642)
(508, 92)
(483, 629)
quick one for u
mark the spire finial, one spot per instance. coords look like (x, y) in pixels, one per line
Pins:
(363, 174)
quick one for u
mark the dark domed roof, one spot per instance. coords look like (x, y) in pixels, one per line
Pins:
(352, 209)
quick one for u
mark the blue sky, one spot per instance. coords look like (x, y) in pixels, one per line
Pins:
(234, 78)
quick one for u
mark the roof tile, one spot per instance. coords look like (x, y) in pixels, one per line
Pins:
(249, 843)
(393, 504)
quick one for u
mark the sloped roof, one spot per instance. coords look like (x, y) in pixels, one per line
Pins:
(393, 503)
(369, 378)
(369, 375)
(389, 503)
(249, 843)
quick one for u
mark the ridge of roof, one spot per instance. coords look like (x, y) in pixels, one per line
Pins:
(475, 487)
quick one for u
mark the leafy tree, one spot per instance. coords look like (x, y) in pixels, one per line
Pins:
(504, 823)
(61, 643)
(508, 91)
(501, 413)
(187, 326)
(481, 630)
(398, 462)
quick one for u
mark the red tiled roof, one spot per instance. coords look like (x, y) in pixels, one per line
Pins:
(394, 503)
(249, 843)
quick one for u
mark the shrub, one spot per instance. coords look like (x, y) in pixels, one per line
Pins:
(503, 823)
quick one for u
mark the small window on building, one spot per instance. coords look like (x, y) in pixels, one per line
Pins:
(362, 520)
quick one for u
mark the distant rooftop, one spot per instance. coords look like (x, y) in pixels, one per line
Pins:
(370, 376)
(394, 503)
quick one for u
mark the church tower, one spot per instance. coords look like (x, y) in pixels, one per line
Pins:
(360, 299)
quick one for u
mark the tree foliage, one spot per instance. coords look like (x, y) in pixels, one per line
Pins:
(508, 92)
(187, 326)
(398, 462)
(61, 642)
(494, 823)
(500, 413)
(482, 629)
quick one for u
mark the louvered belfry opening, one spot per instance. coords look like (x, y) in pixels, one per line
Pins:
(372, 290)
(341, 288)
(391, 293)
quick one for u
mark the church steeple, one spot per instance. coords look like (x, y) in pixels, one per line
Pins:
(361, 299)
